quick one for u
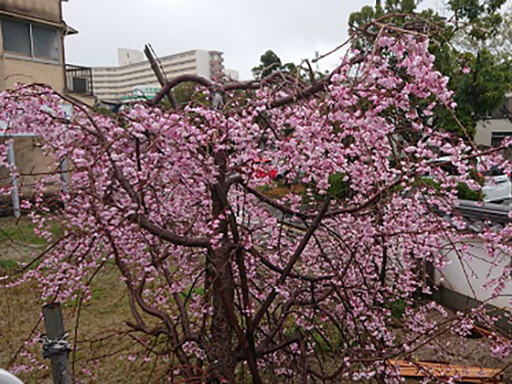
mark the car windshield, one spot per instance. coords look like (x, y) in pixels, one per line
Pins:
(494, 171)
(450, 169)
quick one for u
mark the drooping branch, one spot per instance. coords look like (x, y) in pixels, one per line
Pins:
(306, 216)
(275, 268)
(169, 236)
(293, 260)
(140, 219)
(245, 86)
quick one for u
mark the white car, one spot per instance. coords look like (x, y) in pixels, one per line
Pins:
(497, 186)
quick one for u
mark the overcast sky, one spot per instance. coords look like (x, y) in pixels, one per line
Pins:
(242, 29)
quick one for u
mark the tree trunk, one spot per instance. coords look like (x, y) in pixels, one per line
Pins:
(223, 363)
(220, 275)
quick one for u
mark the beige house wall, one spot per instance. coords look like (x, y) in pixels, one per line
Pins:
(49, 10)
(31, 163)
(485, 129)
(89, 100)
(28, 72)
(16, 68)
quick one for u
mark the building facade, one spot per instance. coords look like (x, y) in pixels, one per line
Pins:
(32, 36)
(134, 75)
(31, 43)
(491, 131)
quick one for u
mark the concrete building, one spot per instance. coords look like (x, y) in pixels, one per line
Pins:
(31, 47)
(491, 131)
(133, 77)
(32, 51)
(232, 74)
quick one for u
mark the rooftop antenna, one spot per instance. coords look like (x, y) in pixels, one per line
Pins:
(317, 55)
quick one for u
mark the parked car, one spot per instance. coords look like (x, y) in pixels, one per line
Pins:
(497, 185)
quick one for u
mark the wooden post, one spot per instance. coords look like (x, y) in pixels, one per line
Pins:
(54, 325)
(14, 182)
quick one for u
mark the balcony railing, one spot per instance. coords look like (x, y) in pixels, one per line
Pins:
(79, 80)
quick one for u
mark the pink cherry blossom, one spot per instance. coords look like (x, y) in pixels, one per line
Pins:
(295, 285)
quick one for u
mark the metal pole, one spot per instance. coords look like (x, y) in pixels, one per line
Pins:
(154, 65)
(64, 176)
(14, 181)
(54, 325)
(159, 73)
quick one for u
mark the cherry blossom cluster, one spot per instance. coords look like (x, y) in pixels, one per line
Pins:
(303, 284)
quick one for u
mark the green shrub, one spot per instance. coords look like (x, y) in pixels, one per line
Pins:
(397, 308)
(466, 193)
(463, 191)
(338, 188)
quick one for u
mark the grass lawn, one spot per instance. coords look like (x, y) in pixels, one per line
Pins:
(105, 351)
(103, 345)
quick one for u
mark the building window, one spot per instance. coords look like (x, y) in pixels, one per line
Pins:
(497, 137)
(33, 40)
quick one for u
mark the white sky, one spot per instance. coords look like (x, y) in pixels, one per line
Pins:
(242, 29)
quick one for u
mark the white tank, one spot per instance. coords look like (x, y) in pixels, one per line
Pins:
(7, 378)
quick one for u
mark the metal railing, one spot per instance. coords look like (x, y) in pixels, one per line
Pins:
(79, 80)
(495, 213)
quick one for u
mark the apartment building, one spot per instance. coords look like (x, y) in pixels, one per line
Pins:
(133, 78)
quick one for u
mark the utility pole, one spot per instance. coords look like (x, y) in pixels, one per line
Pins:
(15, 194)
(148, 51)
(55, 346)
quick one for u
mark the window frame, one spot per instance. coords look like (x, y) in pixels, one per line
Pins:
(498, 136)
(32, 56)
